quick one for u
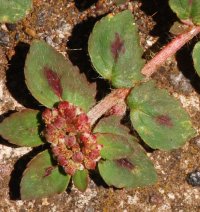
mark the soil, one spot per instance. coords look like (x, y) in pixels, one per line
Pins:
(66, 25)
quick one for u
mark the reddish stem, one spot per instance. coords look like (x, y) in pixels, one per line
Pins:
(108, 102)
(120, 94)
(169, 50)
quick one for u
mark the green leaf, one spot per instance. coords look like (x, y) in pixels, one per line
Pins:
(159, 118)
(186, 9)
(114, 146)
(80, 179)
(196, 57)
(114, 137)
(111, 124)
(13, 10)
(42, 178)
(126, 164)
(22, 128)
(130, 172)
(51, 78)
(179, 28)
(115, 51)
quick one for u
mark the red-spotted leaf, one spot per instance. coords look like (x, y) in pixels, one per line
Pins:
(114, 137)
(43, 178)
(22, 128)
(124, 162)
(51, 78)
(159, 118)
(187, 10)
(135, 170)
(115, 51)
(80, 179)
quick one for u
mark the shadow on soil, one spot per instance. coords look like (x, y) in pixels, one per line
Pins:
(185, 64)
(16, 80)
(98, 180)
(164, 18)
(84, 4)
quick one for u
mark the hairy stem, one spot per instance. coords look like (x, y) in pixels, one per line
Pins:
(120, 94)
(108, 102)
(169, 50)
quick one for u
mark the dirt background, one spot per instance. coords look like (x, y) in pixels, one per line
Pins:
(66, 25)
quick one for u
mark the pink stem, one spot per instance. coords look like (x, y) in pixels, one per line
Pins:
(169, 50)
(120, 94)
(108, 102)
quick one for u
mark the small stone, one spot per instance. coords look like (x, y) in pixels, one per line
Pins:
(155, 199)
(171, 196)
(17, 36)
(193, 178)
(197, 141)
(30, 32)
(4, 38)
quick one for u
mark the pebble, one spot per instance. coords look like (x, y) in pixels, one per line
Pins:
(30, 32)
(155, 199)
(197, 141)
(194, 178)
(4, 38)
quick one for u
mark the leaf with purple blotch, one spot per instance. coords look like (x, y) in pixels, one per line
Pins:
(22, 128)
(115, 51)
(135, 170)
(124, 162)
(159, 118)
(52, 78)
(43, 178)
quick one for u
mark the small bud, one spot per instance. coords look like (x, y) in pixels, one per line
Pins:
(61, 160)
(94, 154)
(59, 122)
(78, 157)
(70, 168)
(82, 123)
(70, 141)
(54, 113)
(63, 106)
(85, 138)
(56, 150)
(89, 164)
(47, 116)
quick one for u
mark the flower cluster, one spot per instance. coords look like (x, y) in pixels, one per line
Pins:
(68, 130)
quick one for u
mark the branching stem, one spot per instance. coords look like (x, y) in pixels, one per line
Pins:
(151, 67)
(108, 102)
